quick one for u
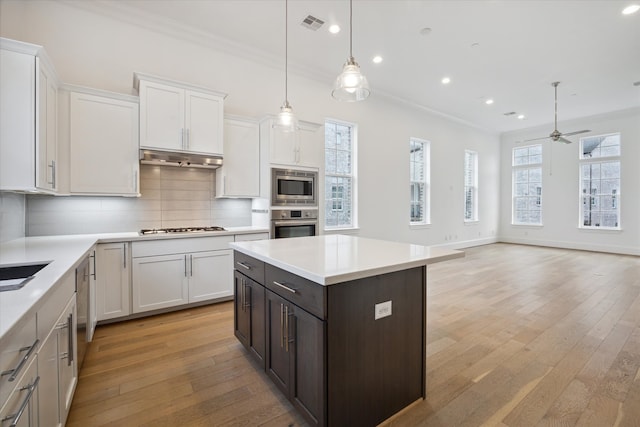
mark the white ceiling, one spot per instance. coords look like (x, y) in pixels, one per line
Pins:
(523, 46)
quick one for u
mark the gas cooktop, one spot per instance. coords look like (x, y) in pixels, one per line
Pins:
(180, 230)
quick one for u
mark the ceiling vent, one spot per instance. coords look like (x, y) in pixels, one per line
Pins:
(312, 23)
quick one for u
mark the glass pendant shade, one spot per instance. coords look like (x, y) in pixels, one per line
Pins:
(286, 121)
(351, 85)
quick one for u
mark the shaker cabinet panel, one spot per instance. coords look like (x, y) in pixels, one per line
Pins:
(162, 116)
(113, 284)
(103, 145)
(203, 122)
(210, 274)
(239, 175)
(159, 282)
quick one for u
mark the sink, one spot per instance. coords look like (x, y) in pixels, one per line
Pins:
(14, 277)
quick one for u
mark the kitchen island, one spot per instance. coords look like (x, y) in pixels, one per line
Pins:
(337, 322)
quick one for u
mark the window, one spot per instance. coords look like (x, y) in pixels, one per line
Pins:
(340, 174)
(470, 186)
(526, 191)
(419, 181)
(600, 182)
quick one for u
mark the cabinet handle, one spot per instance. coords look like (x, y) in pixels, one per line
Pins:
(243, 265)
(285, 287)
(16, 417)
(135, 181)
(70, 339)
(15, 371)
(247, 301)
(124, 256)
(53, 174)
(95, 273)
(286, 328)
(182, 138)
(185, 266)
(191, 265)
(281, 325)
(188, 138)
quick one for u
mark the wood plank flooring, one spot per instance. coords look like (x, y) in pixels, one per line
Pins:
(517, 336)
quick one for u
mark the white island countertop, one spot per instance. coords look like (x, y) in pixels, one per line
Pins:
(336, 258)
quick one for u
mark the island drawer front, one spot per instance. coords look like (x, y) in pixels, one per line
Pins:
(304, 293)
(15, 348)
(249, 266)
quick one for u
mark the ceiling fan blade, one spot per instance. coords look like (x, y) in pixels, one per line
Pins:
(576, 132)
(535, 139)
(564, 140)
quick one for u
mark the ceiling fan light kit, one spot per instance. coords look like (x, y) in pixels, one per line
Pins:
(556, 135)
(351, 85)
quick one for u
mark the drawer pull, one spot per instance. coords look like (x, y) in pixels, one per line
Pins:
(243, 265)
(14, 372)
(16, 417)
(285, 287)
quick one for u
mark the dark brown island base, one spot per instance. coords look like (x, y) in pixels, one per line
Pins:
(337, 322)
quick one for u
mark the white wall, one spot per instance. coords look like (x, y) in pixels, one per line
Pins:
(560, 187)
(101, 52)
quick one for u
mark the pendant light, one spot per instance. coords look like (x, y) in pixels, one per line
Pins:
(286, 121)
(351, 85)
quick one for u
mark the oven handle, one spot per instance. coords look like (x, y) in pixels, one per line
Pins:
(294, 222)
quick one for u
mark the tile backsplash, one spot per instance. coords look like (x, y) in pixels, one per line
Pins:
(12, 216)
(171, 197)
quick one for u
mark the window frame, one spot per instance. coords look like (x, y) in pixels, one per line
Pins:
(426, 182)
(353, 176)
(582, 161)
(528, 167)
(474, 186)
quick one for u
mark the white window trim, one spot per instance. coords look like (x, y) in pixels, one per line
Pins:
(588, 160)
(475, 186)
(426, 208)
(513, 186)
(354, 178)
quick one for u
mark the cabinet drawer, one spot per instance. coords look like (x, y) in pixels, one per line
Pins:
(48, 314)
(15, 348)
(178, 246)
(249, 266)
(304, 293)
(24, 391)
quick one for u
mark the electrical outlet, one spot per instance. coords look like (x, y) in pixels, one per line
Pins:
(382, 310)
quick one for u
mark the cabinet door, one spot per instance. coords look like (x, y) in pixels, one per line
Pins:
(112, 281)
(306, 342)
(310, 146)
(204, 122)
(283, 147)
(257, 337)
(159, 282)
(48, 386)
(67, 366)
(240, 174)
(242, 316)
(279, 368)
(161, 116)
(25, 393)
(103, 145)
(46, 140)
(210, 275)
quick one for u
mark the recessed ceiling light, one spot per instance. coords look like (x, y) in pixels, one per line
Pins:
(636, 83)
(377, 59)
(446, 80)
(475, 44)
(425, 31)
(521, 116)
(630, 9)
(334, 29)
(489, 101)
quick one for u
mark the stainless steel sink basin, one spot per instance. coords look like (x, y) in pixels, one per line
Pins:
(14, 277)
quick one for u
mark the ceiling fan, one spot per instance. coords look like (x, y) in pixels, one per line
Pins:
(557, 135)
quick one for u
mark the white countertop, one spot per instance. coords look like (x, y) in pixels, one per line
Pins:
(64, 254)
(336, 258)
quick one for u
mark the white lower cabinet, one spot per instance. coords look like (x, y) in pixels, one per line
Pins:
(112, 278)
(172, 272)
(57, 367)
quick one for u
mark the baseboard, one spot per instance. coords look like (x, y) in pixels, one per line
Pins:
(593, 247)
(467, 243)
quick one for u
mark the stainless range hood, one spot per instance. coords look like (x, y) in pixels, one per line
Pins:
(180, 159)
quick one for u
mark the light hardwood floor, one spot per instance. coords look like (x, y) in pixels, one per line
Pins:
(517, 336)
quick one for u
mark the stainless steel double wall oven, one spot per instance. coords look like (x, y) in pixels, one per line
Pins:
(294, 203)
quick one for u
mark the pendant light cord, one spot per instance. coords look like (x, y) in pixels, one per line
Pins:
(286, 51)
(350, 28)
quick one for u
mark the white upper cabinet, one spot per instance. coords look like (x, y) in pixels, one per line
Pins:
(103, 144)
(28, 113)
(179, 117)
(302, 148)
(239, 175)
